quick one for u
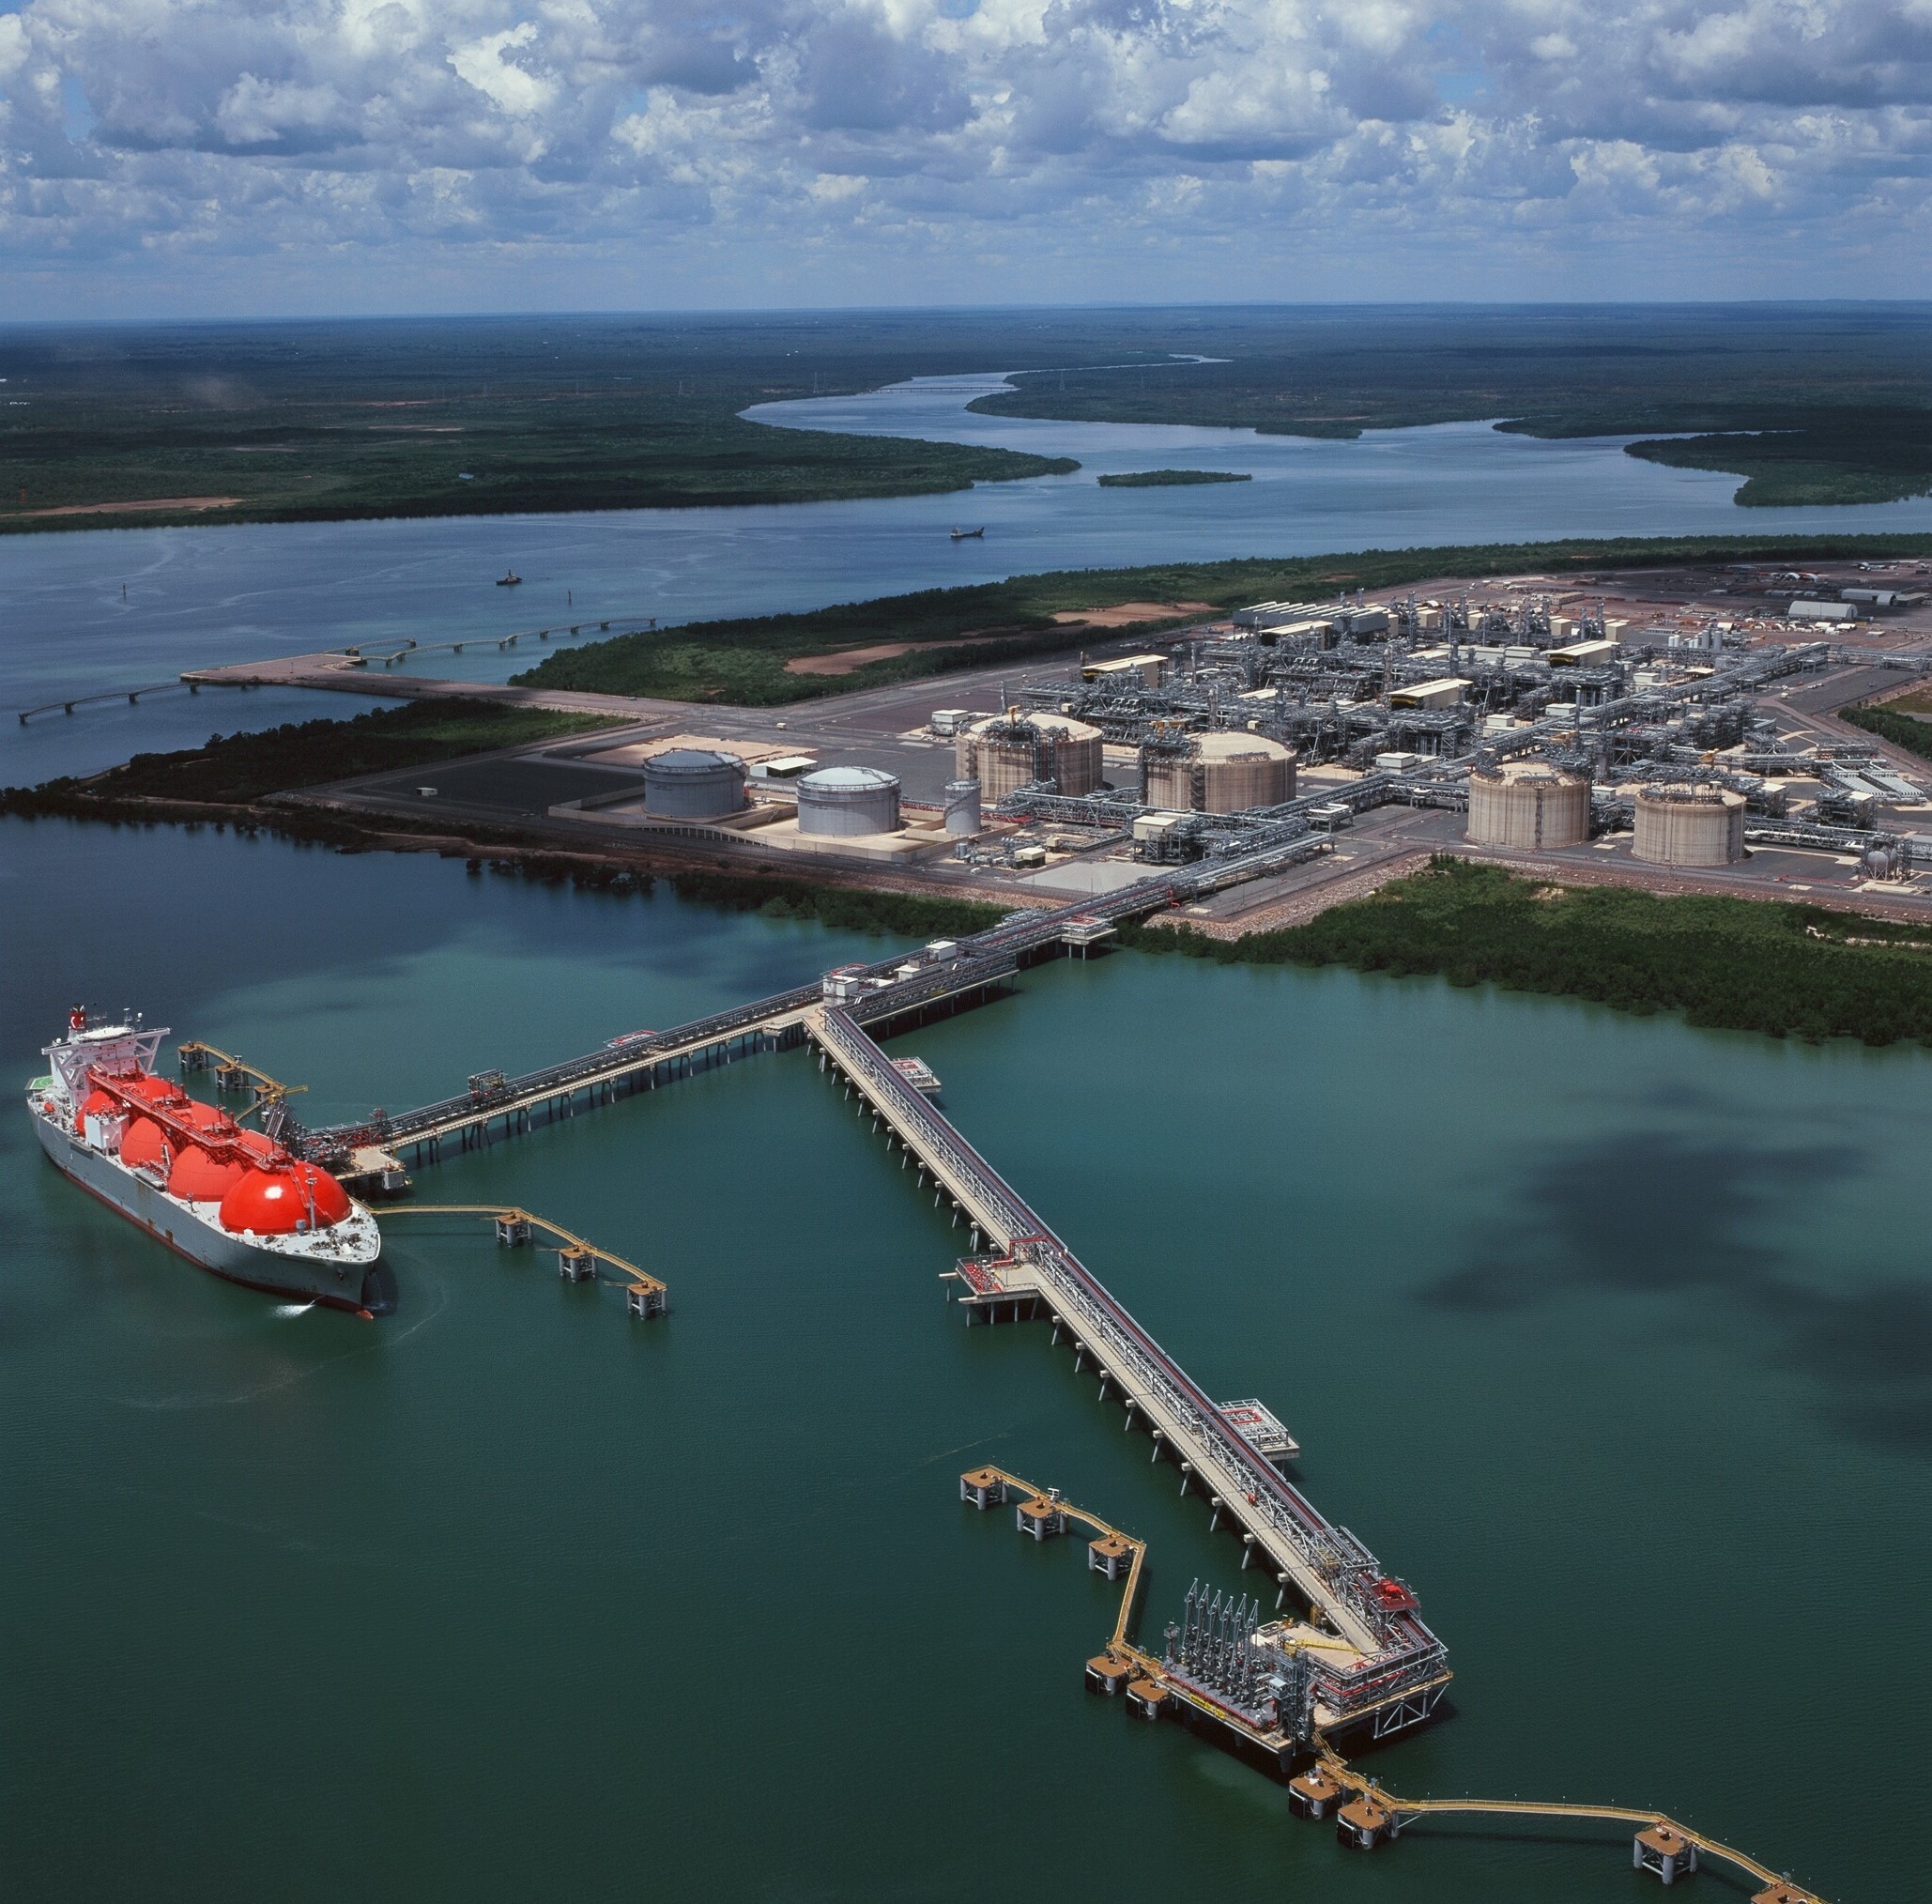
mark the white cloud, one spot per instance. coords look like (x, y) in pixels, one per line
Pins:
(514, 87)
(901, 140)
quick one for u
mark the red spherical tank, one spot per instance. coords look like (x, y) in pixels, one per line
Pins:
(143, 1146)
(97, 1104)
(200, 1178)
(278, 1203)
(203, 1117)
(156, 1090)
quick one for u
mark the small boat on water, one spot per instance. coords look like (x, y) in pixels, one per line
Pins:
(970, 534)
(510, 579)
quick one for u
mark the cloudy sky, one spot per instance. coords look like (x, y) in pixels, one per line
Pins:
(185, 157)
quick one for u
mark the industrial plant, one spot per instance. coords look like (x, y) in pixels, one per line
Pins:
(1679, 744)
(1546, 731)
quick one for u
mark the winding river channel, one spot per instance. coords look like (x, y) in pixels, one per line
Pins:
(1612, 1336)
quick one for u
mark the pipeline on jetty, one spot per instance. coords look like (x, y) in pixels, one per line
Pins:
(1366, 1815)
(886, 993)
(234, 1074)
(1362, 1655)
(577, 1259)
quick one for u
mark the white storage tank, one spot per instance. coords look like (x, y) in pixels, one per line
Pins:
(693, 783)
(1007, 750)
(1690, 823)
(962, 808)
(1528, 804)
(848, 801)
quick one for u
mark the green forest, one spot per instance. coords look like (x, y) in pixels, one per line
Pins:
(1846, 391)
(1730, 964)
(327, 422)
(1170, 479)
(235, 769)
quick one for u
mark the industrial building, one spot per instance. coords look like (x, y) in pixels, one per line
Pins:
(1527, 804)
(848, 802)
(1217, 773)
(1690, 823)
(1020, 748)
(1549, 731)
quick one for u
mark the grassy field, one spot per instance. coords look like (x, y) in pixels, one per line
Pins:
(235, 769)
(284, 422)
(1849, 388)
(743, 662)
(1170, 479)
(1734, 964)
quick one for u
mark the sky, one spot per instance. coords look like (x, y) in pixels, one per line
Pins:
(210, 158)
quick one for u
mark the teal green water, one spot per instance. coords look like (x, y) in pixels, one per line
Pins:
(1609, 1335)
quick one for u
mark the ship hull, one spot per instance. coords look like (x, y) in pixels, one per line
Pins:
(361, 1288)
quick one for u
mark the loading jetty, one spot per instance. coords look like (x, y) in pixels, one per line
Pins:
(1208, 1640)
(1343, 1654)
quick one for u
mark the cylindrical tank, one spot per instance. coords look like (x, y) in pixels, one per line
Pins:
(1690, 823)
(1010, 750)
(1222, 772)
(848, 801)
(1529, 803)
(962, 808)
(693, 783)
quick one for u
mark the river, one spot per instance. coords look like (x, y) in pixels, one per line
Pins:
(1608, 1335)
(207, 595)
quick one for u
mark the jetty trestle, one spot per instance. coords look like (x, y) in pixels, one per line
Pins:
(234, 1074)
(1370, 1661)
(578, 1261)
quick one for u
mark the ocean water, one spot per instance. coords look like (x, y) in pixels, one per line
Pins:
(1609, 1335)
(200, 597)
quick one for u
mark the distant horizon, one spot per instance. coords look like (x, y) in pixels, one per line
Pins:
(1151, 307)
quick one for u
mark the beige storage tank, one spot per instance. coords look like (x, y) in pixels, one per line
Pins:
(1221, 774)
(1008, 750)
(1529, 804)
(1690, 823)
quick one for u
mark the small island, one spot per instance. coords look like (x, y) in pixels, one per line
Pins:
(1158, 479)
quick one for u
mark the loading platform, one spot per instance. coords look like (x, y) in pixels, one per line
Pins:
(1366, 1815)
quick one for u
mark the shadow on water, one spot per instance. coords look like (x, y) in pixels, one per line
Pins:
(1700, 1227)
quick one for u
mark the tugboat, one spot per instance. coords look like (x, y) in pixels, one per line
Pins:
(510, 579)
(970, 534)
(231, 1201)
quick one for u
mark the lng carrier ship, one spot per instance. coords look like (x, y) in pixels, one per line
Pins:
(229, 1199)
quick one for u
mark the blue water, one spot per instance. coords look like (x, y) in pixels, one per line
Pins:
(1607, 1334)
